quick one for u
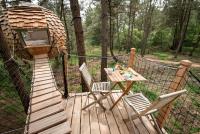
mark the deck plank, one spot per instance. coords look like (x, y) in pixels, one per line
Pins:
(46, 112)
(148, 125)
(48, 122)
(85, 117)
(94, 123)
(45, 104)
(43, 72)
(59, 129)
(43, 92)
(70, 106)
(76, 120)
(42, 87)
(38, 83)
(110, 118)
(124, 114)
(122, 126)
(45, 97)
(42, 69)
(103, 123)
(49, 77)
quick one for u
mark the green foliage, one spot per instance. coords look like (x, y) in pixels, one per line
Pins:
(162, 55)
(92, 23)
(141, 87)
(161, 38)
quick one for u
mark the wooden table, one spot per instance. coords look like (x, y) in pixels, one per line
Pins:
(116, 77)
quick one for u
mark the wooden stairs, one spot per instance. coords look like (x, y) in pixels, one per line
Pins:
(46, 113)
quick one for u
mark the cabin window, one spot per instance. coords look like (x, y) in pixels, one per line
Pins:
(35, 38)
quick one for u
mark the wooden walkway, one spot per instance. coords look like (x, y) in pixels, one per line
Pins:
(49, 113)
(96, 121)
(46, 113)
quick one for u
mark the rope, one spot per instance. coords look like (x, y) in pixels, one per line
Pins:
(13, 130)
(11, 59)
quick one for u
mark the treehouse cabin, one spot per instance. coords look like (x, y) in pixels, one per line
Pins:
(32, 30)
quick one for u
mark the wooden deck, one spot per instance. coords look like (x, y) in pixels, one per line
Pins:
(96, 121)
(49, 113)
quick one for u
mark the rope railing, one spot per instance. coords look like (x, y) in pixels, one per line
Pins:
(12, 113)
(159, 77)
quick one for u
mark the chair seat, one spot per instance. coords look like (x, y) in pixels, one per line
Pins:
(101, 87)
(137, 101)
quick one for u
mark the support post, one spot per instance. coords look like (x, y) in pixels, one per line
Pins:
(131, 58)
(177, 83)
(64, 63)
(63, 49)
(131, 62)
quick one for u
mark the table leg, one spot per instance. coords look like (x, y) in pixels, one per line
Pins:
(125, 91)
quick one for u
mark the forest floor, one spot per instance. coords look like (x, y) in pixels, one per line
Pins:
(195, 62)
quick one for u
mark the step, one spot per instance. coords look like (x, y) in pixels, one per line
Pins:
(43, 78)
(38, 83)
(45, 104)
(63, 128)
(42, 92)
(41, 66)
(43, 87)
(40, 56)
(43, 72)
(47, 122)
(46, 112)
(42, 69)
(45, 97)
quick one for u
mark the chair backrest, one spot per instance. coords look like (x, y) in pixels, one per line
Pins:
(163, 100)
(86, 75)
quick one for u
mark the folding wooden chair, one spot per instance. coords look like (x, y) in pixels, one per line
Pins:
(95, 88)
(142, 106)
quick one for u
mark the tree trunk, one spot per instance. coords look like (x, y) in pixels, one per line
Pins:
(118, 39)
(61, 9)
(184, 25)
(112, 27)
(147, 26)
(13, 70)
(104, 37)
(128, 41)
(67, 34)
(175, 40)
(74, 5)
(44, 3)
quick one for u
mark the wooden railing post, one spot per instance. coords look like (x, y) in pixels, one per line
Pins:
(177, 83)
(131, 58)
(131, 62)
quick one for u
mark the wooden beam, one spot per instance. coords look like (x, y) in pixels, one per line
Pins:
(131, 62)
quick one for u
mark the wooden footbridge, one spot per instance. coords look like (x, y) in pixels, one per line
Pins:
(46, 112)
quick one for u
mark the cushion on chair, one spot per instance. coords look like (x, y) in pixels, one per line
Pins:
(100, 86)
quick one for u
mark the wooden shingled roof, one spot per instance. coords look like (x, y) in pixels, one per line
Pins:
(26, 18)
(32, 17)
